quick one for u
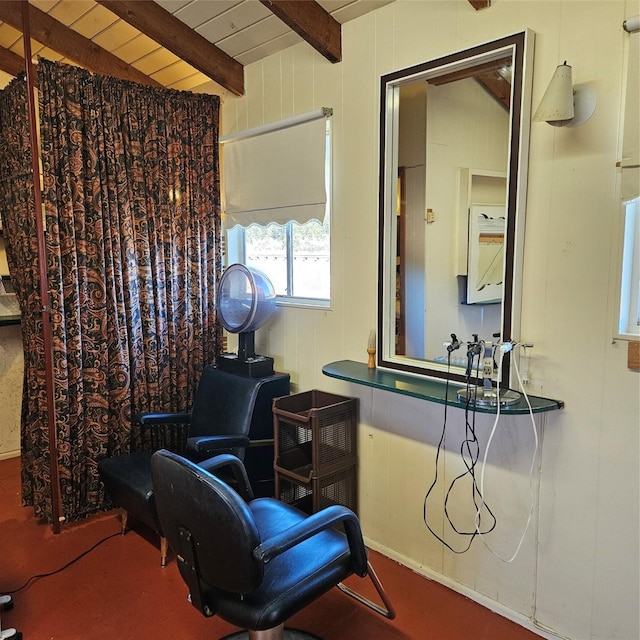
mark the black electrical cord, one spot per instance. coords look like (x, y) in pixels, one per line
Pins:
(438, 450)
(470, 461)
(55, 571)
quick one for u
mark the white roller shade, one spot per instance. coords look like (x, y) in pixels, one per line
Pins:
(630, 163)
(277, 176)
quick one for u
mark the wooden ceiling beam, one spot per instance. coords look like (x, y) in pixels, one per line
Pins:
(10, 62)
(470, 72)
(480, 4)
(53, 34)
(487, 74)
(310, 21)
(497, 87)
(174, 35)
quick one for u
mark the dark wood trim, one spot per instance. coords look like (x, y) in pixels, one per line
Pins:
(480, 4)
(311, 22)
(51, 33)
(174, 35)
(10, 62)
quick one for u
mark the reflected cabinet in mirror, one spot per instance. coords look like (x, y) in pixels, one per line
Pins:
(453, 159)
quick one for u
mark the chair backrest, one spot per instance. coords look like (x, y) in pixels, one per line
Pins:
(224, 403)
(207, 525)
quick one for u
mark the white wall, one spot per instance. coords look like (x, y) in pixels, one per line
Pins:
(577, 572)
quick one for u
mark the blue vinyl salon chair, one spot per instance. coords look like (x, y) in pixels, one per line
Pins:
(253, 562)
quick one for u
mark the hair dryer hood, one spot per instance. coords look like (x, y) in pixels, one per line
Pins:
(246, 299)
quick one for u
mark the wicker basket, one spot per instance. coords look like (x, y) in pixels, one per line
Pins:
(315, 450)
(340, 487)
(314, 434)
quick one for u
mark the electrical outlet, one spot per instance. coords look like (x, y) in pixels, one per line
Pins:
(431, 216)
(487, 361)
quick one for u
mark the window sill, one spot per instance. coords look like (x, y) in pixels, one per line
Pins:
(8, 320)
(303, 303)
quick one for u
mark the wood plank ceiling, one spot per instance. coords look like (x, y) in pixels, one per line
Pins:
(181, 44)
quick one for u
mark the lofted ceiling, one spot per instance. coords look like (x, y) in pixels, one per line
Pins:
(181, 44)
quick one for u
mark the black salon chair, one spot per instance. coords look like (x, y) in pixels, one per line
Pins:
(254, 563)
(223, 413)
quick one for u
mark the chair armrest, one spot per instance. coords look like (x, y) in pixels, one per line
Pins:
(243, 486)
(314, 524)
(210, 445)
(164, 418)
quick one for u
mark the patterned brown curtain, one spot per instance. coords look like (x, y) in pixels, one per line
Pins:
(131, 199)
(21, 243)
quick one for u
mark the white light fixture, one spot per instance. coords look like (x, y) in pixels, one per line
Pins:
(565, 105)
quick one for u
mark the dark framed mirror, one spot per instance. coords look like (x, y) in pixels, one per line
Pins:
(454, 135)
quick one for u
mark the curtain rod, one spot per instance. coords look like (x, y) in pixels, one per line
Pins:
(323, 112)
(632, 24)
(57, 510)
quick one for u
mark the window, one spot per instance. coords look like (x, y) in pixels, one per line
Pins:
(296, 257)
(277, 208)
(629, 317)
(629, 309)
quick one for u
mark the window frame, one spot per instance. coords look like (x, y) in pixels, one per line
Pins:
(629, 273)
(237, 253)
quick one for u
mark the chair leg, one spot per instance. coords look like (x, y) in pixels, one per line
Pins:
(276, 633)
(164, 550)
(389, 612)
(124, 516)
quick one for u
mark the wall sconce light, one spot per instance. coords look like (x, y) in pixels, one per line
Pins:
(565, 105)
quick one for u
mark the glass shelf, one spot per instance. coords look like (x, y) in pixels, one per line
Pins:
(426, 388)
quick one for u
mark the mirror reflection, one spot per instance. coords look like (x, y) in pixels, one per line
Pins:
(451, 189)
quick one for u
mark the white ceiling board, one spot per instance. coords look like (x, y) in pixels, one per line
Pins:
(243, 15)
(155, 61)
(197, 13)
(136, 49)
(117, 35)
(48, 54)
(45, 5)
(8, 35)
(68, 12)
(351, 9)
(173, 5)
(254, 36)
(94, 22)
(166, 75)
(266, 49)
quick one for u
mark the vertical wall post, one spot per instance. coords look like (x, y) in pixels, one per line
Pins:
(54, 477)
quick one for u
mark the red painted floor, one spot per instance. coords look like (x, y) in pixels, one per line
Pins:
(118, 590)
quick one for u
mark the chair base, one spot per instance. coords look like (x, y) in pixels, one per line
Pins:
(287, 634)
